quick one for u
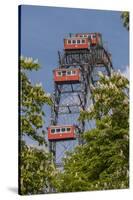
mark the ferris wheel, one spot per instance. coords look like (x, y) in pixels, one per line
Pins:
(83, 57)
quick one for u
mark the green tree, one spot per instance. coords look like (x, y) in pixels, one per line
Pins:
(36, 171)
(103, 161)
(33, 98)
(125, 19)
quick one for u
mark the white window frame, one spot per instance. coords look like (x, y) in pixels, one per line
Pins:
(58, 74)
(75, 72)
(77, 41)
(67, 73)
(84, 41)
(67, 130)
(51, 131)
(69, 40)
(63, 128)
(93, 36)
(59, 131)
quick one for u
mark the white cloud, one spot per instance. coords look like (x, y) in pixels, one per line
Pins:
(126, 71)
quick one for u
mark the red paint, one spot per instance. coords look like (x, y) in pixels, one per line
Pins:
(67, 75)
(61, 135)
(76, 46)
(82, 45)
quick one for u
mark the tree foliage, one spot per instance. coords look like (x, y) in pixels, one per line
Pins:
(33, 97)
(35, 168)
(103, 161)
(37, 171)
(125, 19)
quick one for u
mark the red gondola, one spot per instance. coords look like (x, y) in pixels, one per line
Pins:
(76, 43)
(61, 132)
(66, 75)
(82, 41)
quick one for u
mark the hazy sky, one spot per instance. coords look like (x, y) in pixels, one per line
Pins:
(43, 30)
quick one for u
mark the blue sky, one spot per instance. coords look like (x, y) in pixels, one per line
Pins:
(43, 30)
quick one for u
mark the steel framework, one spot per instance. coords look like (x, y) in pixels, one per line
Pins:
(70, 97)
